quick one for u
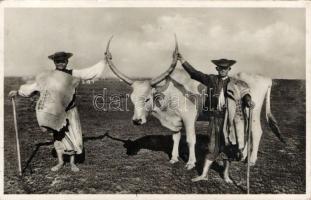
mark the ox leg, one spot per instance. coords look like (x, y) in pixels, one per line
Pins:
(244, 152)
(204, 175)
(255, 140)
(226, 172)
(256, 136)
(240, 133)
(175, 154)
(191, 140)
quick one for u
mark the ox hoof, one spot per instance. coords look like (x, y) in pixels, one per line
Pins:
(250, 163)
(190, 166)
(57, 167)
(173, 161)
(220, 162)
(74, 168)
(199, 178)
(228, 180)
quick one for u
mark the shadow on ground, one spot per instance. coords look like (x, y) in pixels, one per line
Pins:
(80, 158)
(164, 143)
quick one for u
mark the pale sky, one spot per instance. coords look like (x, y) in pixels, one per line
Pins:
(267, 41)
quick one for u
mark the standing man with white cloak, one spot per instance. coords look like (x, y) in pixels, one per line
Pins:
(56, 108)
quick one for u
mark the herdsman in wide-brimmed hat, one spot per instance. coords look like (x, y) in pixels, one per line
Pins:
(56, 107)
(215, 109)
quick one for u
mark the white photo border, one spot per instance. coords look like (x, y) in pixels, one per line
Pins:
(159, 4)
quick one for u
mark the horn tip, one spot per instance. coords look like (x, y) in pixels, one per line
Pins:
(175, 36)
(110, 39)
(108, 44)
(176, 43)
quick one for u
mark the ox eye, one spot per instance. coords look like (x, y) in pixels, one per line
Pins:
(147, 100)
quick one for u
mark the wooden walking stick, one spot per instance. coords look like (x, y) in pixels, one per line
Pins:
(17, 139)
(249, 146)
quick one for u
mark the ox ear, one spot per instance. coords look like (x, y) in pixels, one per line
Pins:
(158, 99)
(153, 93)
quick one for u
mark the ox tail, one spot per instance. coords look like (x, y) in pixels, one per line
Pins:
(270, 118)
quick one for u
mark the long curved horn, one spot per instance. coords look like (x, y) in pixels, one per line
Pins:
(176, 44)
(160, 78)
(113, 67)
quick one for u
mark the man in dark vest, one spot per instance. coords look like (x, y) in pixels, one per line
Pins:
(215, 108)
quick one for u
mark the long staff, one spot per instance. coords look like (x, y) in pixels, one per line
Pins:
(249, 146)
(17, 138)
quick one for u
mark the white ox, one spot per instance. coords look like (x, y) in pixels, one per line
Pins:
(260, 88)
(169, 98)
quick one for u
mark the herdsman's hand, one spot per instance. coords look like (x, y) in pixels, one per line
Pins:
(180, 57)
(252, 106)
(108, 55)
(13, 93)
(247, 100)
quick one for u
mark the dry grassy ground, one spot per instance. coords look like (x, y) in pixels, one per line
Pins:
(141, 164)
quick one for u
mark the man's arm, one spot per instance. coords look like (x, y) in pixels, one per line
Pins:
(25, 90)
(194, 74)
(92, 73)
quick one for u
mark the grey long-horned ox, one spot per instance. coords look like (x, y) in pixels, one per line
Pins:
(169, 98)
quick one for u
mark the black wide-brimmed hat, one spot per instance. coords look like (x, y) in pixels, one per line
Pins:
(224, 63)
(60, 56)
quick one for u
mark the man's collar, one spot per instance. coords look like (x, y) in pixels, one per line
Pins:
(65, 70)
(223, 78)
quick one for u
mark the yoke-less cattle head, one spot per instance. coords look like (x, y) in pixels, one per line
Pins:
(143, 90)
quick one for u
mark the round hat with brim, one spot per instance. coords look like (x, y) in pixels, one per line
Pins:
(223, 63)
(60, 56)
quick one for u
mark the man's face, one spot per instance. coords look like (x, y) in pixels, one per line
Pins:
(61, 63)
(223, 72)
